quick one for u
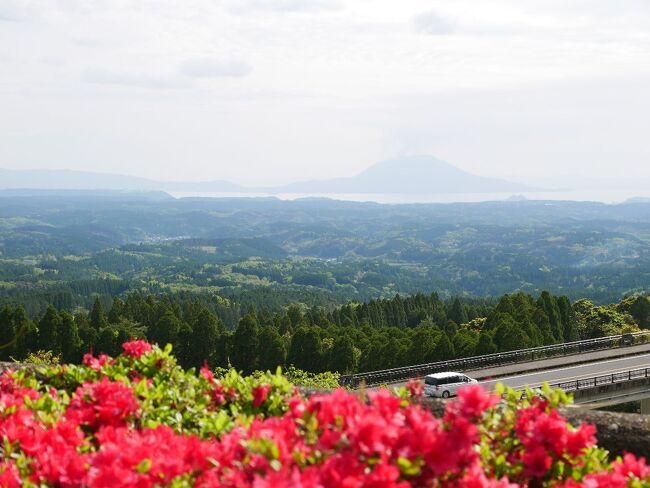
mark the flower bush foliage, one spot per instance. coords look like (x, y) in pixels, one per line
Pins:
(140, 420)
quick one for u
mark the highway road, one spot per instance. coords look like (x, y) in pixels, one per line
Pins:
(570, 373)
(558, 362)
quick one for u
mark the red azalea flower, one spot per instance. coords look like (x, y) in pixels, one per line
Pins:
(97, 363)
(207, 373)
(415, 388)
(9, 475)
(260, 393)
(581, 439)
(136, 348)
(632, 466)
(105, 402)
(537, 462)
(472, 401)
(218, 394)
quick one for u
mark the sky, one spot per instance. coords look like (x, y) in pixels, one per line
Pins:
(265, 92)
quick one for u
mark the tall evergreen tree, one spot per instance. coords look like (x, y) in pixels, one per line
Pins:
(457, 312)
(465, 342)
(567, 316)
(49, 331)
(295, 315)
(549, 305)
(272, 351)
(444, 348)
(640, 310)
(423, 344)
(107, 341)
(166, 330)
(97, 316)
(116, 312)
(70, 339)
(7, 333)
(509, 337)
(485, 344)
(245, 344)
(306, 350)
(392, 353)
(343, 357)
(205, 333)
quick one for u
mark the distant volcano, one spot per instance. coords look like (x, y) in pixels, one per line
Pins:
(414, 174)
(411, 175)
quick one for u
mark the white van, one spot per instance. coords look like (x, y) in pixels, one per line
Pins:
(445, 384)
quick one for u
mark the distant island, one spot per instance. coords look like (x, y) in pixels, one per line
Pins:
(409, 175)
(637, 200)
(86, 180)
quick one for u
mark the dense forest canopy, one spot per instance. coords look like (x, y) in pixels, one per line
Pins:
(322, 285)
(66, 247)
(355, 337)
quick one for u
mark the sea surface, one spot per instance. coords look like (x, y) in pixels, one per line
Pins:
(592, 195)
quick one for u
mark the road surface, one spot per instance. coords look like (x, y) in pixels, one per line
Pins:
(571, 373)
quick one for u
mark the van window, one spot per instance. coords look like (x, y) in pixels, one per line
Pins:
(430, 381)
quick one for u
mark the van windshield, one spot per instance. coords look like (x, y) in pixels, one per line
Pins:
(430, 381)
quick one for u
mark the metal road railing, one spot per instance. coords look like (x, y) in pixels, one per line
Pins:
(494, 360)
(607, 379)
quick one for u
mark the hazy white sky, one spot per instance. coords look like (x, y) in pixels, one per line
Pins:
(270, 91)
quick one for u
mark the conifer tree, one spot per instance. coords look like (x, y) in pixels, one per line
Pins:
(245, 344)
(306, 350)
(457, 312)
(205, 333)
(272, 351)
(485, 344)
(49, 331)
(343, 357)
(71, 343)
(7, 332)
(97, 316)
(166, 330)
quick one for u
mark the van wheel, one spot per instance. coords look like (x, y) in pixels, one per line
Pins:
(445, 394)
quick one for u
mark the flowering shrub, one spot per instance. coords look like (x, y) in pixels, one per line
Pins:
(140, 420)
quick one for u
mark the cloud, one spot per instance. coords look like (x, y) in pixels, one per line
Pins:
(86, 42)
(214, 68)
(103, 77)
(84, 6)
(432, 24)
(52, 61)
(240, 6)
(14, 11)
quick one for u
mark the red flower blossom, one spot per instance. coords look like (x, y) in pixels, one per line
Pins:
(537, 463)
(472, 401)
(9, 475)
(207, 373)
(102, 403)
(632, 466)
(97, 363)
(218, 394)
(331, 440)
(415, 388)
(581, 439)
(260, 393)
(136, 348)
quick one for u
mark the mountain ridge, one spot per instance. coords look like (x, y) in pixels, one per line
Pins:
(407, 175)
(65, 179)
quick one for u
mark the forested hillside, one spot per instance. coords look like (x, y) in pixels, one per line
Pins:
(65, 248)
(354, 337)
(319, 284)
